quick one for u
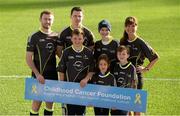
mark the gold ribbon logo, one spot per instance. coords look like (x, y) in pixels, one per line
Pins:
(138, 99)
(34, 89)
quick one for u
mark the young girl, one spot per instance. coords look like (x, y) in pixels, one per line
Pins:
(103, 77)
(124, 73)
(106, 45)
(139, 50)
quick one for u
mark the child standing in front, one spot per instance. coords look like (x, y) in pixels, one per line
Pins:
(103, 77)
(124, 73)
(106, 45)
(76, 65)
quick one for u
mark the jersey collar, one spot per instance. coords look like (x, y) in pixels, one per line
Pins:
(45, 32)
(109, 41)
(133, 39)
(78, 51)
(81, 26)
(124, 67)
(103, 76)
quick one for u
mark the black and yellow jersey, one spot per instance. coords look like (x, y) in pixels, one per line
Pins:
(108, 49)
(125, 75)
(139, 50)
(43, 46)
(76, 64)
(106, 79)
(65, 37)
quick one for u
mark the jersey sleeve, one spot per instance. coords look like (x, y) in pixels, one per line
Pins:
(62, 64)
(91, 39)
(61, 38)
(148, 51)
(31, 44)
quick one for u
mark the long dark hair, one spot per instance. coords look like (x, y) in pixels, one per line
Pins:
(129, 20)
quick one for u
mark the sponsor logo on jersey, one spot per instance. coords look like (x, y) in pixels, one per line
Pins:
(112, 51)
(41, 40)
(78, 65)
(70, 57)
(98, 49)
(105, 49)
(100, 82)
(121, 72)
(115, 73)
(78, 56)
(68, 37)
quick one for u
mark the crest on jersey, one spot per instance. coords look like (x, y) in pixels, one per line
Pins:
(50, 47)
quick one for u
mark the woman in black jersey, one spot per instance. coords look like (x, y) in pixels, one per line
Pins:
(139, 49)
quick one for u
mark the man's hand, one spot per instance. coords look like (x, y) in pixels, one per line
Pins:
(40, 78)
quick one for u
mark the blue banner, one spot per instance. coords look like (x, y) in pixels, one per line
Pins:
(91, 95)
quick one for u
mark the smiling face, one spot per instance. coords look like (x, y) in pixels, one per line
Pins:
(131, 29)
(77, 40)
(131, 25)
(104, 32)
(122, 56)
(46, 21)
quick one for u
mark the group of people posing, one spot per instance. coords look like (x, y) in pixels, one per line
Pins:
(105, 62)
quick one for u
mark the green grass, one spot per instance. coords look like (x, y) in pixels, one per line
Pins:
(158, 24)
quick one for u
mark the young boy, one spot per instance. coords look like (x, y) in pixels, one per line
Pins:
(106, 45)
(76, 65)
(124, 73)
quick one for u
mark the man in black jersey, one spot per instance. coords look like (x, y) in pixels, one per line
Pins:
(76, 22)
(41, 57)
(76, 65)
(64, 39)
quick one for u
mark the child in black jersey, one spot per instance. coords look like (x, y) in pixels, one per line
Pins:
(76, 65)
(107, 45)
(103, 77)
(124, 73)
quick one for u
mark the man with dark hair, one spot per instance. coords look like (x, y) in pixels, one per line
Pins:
(64, 39)
(41, 57)
(76, 22)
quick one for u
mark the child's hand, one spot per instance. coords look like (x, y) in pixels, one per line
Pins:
(83, 82)
(113, 108)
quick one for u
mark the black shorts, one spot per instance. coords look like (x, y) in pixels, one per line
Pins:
(101, 111)
(118, 112)
(75, 109)
(53, 76)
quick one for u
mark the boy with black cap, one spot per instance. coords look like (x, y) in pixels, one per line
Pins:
(106, 45)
